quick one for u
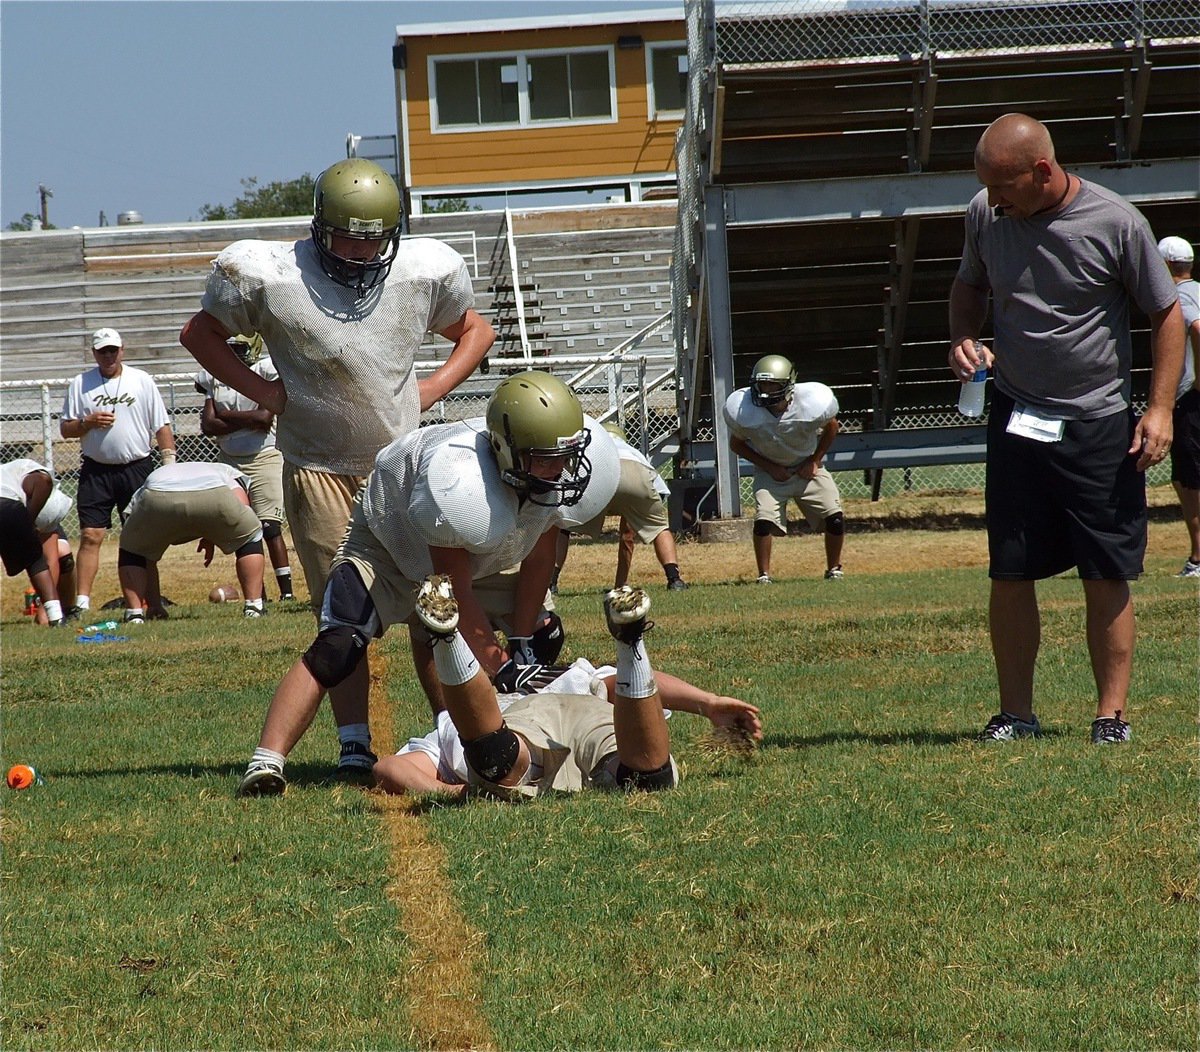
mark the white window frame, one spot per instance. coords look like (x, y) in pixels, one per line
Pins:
(521, 59)
(652, 110)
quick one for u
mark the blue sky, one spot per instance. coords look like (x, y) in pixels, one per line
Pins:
(164, 106)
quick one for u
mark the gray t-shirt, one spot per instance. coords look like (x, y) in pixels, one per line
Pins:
(1062, 285)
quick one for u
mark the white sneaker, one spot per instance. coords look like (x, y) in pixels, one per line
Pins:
(765, 578)
(1190, 569)
(253, 611)
(262, 779)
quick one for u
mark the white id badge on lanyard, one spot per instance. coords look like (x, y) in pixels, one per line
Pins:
(1028, 423)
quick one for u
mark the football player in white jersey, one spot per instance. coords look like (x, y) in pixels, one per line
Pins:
(31, 508)
(244, 432)
(639, 503)
(472, 501)
(344, 312)
(785, 429)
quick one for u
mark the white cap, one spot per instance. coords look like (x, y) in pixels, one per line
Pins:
(112, 338)
(1175, 250)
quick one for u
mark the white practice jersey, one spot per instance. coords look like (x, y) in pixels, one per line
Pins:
(12, 477)
(133, 398)
(787, 439)
(194, 477)
(347, 364)
(441, 487)
(248, 440)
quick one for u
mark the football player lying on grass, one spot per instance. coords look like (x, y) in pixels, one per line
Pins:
(583, 729)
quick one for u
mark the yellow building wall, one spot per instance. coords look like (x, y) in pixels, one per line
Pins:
(632, 145)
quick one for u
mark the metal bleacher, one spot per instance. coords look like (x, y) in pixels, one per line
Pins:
(146, 281)
(825, 165)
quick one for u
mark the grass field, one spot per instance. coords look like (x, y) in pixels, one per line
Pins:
(870, 878)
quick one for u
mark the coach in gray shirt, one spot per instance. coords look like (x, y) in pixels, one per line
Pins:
(1063, 261)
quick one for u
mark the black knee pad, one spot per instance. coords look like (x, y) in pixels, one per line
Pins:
(271, 530)
(762, 528)
(492, 756)
(651, 781)
(547, 642)
(128, 558)
(836, 524)
(66, 563)
(347, 596)
(249, 548)
(334, 654)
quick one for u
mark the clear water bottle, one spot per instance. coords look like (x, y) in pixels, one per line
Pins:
(970, 398)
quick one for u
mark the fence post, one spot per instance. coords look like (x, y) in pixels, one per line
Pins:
(643, 406)
(47, 434)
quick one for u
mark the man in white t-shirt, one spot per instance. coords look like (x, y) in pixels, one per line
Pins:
(31, 507)
(1179, 255)
(180, 503)
(244, 432)
(115, 411)
(643, 517)
(785, 429)
(480, 502)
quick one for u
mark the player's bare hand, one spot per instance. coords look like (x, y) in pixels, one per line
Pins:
(967, 357)
(806, 469)
(206, 548)
(737, 716)
(1152, 438)
(102, 418)
(779, 473)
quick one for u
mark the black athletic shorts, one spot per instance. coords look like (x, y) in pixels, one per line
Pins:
(1185, 446)
(19, 544)
(1080, 501)
(103, 487)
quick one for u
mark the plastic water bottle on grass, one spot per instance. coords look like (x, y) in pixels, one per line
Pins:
(102, 626)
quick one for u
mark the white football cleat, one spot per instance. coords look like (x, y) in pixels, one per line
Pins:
(625, 610)
(436, 605)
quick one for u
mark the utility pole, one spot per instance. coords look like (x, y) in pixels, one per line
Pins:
(44, 192)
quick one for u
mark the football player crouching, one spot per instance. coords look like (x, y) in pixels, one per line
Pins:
(480, 502)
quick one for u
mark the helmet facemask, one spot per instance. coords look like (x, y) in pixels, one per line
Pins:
(771, 381)
(567, 488)
(360, 275)
(249, 349)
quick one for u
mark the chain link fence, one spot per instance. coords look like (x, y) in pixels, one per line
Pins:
(638, 392)
(608, 390)
(767, 32)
